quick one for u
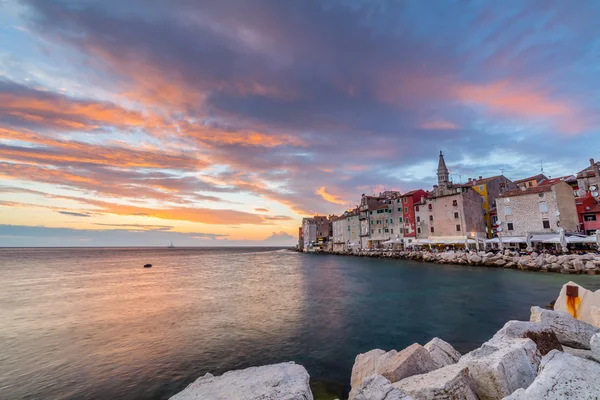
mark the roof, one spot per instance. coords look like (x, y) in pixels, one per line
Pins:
(595, 209)
(482, 181)
(552, 181)
(533, 190)
(536, 178)
(412, 192)
(587, 172)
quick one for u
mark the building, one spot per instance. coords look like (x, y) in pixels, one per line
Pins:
(377, 219)
(489, 189)
(539, 209)
(588, 179)
(454, 212)
(421, 220)
(588, 209)
(346, 231)
(407, 228)
(309, 231)
(530, 182)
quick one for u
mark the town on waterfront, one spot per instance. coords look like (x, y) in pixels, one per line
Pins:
(559, 215)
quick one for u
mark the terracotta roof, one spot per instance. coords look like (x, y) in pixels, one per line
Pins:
(553, 181)
(533, 190)
(593, 209)
(412, 192)
(537, 177)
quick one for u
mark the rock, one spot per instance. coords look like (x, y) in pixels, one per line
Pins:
(376, 387)
(595, 345)
(413, 360)
(578, 265)
(562, 376)
(285, 381)
(590, 265)
(442, 352)
(569, 331)
(450, 382)
(500, 262)
(543, 336)
(595, 316)
(500, 368)
(585, 354)
(554, 267)
(579, 307)
(368, 364)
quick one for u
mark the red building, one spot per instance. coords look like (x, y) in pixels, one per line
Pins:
(409, 200)
(588, 209)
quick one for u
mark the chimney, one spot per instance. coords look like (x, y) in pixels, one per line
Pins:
(470, 180)
(480, 177)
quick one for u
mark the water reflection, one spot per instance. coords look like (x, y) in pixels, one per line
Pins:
(92, 323)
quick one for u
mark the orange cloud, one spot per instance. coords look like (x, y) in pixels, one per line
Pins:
(439, 124)
(330, 197)
(521, 100)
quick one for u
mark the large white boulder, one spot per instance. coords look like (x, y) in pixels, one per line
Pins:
(442, 352)
(369, 363)
(376, 387)
(562, 376)
(542, 335)
(413, 360)
(450, 382)
(570, 331)
(579, 307)
(285, 381)
(501, 367)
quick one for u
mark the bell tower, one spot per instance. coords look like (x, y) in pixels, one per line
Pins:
(442, 172)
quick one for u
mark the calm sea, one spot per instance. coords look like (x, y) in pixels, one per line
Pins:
(93, 324)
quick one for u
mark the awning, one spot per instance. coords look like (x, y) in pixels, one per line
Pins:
(541, 238)
(571, 239)
(508, 239)
(393, 241)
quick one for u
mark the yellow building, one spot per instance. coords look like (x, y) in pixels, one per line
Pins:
(489, 189)
(530, 182)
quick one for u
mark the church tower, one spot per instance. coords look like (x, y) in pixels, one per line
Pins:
(442, 172)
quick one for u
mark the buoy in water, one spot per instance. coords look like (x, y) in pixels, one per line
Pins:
(147, 265)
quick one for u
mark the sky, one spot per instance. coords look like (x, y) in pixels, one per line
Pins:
(224, 122)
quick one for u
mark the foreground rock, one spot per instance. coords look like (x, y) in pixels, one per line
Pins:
(500, 367)
(562, 376)
(285, 381)
(369, 363)
(442, 352)
(595, 345)
(569, 331)
(413, 360)
(542, 335)
(582, 307)
(376, 387)
(450, 382)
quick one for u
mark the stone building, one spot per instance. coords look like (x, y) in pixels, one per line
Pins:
(489, 189)
(376, 219)
(530, 182)
(421, 220)
(454, 212)
(540, 209)
(346, 231)
(300, 239)
(309, 230)
(588, 179)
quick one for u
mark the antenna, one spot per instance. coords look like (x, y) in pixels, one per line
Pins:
(501, 171)
(541, 167)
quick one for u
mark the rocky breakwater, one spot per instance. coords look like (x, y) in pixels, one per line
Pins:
(567, 264)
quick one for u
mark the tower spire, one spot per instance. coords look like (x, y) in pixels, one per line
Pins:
(442, 171)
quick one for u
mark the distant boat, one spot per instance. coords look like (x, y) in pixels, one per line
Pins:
(171, 246)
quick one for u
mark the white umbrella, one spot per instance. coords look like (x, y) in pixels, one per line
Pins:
(500, 244)
(598, 238)
(562, 240)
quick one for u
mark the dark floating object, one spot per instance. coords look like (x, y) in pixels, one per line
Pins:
(147, 265)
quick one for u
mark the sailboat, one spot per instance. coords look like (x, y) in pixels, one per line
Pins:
(171, 246)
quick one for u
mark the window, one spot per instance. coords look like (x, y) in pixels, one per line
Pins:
(406, 220)
(455, 215)
(405, 199)
(481, 187)
(458, 228)
(390, 202)
(379, 230)
(546, 224)
(370, 212)
(397, 201)
(406, 230)
(418, 230)
(378, 222)
(430, 207)
(372, 230)
(541, 195)
(372, 222)
(387, 231)
(589, 217)
(530, 184)
(543, 207)
(507, 211)
(348, 228)
(418, 218)
(392, 231)
(454, 203)
(431, 218)
(400, 219)
(348, 219)
(431, 229)
(399, 209)
(510, 226)
(405, 210)
(417, 208)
